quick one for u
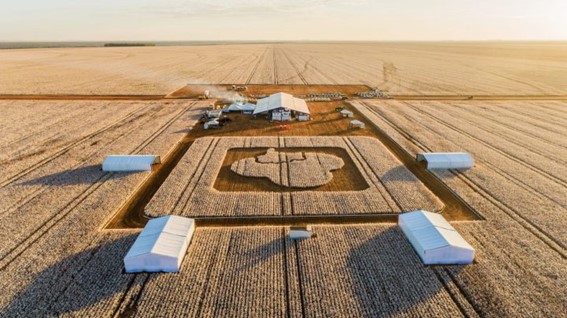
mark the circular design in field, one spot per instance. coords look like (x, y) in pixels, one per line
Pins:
(290, 169)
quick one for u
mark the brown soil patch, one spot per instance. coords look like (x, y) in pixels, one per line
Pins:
(348, 178)
(325, 121)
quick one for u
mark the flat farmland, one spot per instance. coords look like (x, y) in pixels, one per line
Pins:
(400, 68)
(62, 242)
(517, 146)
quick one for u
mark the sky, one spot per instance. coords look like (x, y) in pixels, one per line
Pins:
(282, 20)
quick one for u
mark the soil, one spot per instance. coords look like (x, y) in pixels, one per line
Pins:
(348, 178)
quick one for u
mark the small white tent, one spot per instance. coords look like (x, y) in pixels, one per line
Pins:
(161, 246)
(248, 108)
(434, 239)
(130, 162)
(446, 160)
(234, 108)
(356, 123)
(346, 113)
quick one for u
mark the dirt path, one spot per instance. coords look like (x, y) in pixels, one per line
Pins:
(81, 97)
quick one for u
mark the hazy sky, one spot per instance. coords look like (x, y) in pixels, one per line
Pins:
(92, 20)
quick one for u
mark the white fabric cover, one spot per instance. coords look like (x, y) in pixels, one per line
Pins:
(281, 100)
(434, 239)
(161, 246)
(130, 162)
(446, 160)
(248, 107)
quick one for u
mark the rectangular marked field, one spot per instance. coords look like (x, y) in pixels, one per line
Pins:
(192, 187)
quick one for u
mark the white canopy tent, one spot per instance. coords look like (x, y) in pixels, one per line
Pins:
(346, 113)
(356, 123)
(161, 246)
(120, 163)
(281, 100)
(446, 160)
(434, 239)
(235, 107)
(248, 107)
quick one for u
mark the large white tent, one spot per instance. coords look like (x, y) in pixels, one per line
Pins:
(434, 239)
(446, 160)
(278, 101)
(121, 163)
(235, 107)
(161, 246)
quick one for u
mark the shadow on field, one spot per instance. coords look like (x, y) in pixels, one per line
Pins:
(74, 283)
(389, 279)
(262, 253)
(397, 174)
(83, 175)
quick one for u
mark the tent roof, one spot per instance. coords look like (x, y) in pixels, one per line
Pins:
(162, 236)
(235, 107)
(131, 159)
(280, 100)
(356, 122)
(445, 157)
(248, 106)
(432, 231)
(346, 111)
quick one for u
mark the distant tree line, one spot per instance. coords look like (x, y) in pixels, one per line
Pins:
(128, 44)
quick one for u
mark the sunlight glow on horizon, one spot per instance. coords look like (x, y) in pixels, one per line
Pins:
(238, 20)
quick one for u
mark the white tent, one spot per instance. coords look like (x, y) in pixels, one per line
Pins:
(212, 123)
(356, 123)
(130, 162)
(434, 239)
(248, 107)
(161, 246)
(346, 113)
(281, 100)
(234, 108)
(446, 160)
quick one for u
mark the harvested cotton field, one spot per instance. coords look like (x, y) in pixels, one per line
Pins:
(190, 189)
(519, 163)
(398, 68)
(66, 225)
(59, 166)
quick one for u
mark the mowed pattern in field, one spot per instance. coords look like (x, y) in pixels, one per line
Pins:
(64, 263)
(399, 68)
(190, 188)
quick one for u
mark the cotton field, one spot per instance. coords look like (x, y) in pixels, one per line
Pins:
(65, 224)
(398, 68)
(189, 190)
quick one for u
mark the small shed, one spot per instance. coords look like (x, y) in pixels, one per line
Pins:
(446, 160)
(212, 124)
(215, 113)
(434, 239)
(234, 108)
(356, 123)
(161, 246)
(346, 113)
(300, 232)
(122, 163)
